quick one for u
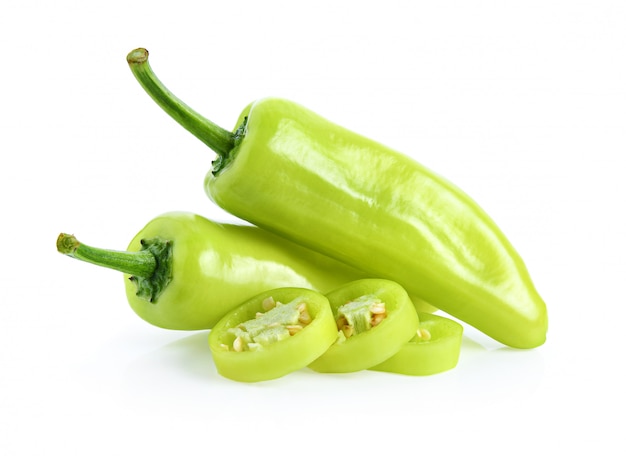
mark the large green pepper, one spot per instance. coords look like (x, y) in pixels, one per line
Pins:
(286, 169)
(183, 271)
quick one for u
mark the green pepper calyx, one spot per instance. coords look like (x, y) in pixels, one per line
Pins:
(222, 160)
(150, 288)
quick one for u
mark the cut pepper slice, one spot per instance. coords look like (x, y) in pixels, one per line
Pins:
(435, 348)
(272, 334)
(375, 318)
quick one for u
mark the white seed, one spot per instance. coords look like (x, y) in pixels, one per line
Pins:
(347, 330)
(224, 347)
(238, 344)
(377, 318)
(259, 314)
(341, 322)
(378, 308)
(269, 303)
(293, 329)
(304, 317)
(423, 334)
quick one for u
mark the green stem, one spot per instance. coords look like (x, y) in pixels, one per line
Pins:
(140, 264)
(150, 268)
(221, 141)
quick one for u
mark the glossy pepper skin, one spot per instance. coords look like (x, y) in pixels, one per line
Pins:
(214, 267)
(289, 170)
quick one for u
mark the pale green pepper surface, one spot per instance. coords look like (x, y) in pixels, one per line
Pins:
(288, 170)
(201, 269)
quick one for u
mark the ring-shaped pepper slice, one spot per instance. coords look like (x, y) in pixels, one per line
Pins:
(375, 318)
(272, 334)
(435, 348)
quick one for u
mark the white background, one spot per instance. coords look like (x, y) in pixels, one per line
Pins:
(521, 104)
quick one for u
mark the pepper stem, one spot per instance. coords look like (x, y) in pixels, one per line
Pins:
(142, 263)
(221, 141)
(150, 268)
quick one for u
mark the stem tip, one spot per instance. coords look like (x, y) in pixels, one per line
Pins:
(67, 243)
(137, 56)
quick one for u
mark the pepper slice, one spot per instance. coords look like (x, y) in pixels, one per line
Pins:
(435, 348)
(183, 271)
(375, 318)
(272, 334)
(383, 212)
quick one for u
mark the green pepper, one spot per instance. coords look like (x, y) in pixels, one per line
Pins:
(374, 318)
(183, 271)
(434, 348)
(286, 169)
(272, 334)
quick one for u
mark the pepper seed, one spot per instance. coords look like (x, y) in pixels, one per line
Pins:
(238, 344)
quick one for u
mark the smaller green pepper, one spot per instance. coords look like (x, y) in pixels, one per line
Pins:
(375, 318)
(435, 348)
(183, 271)
(272, 334)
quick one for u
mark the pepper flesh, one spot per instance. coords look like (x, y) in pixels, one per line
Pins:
(214, 267)
(373, 345)
(296, 174)
(434, 349)
(279, 357)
